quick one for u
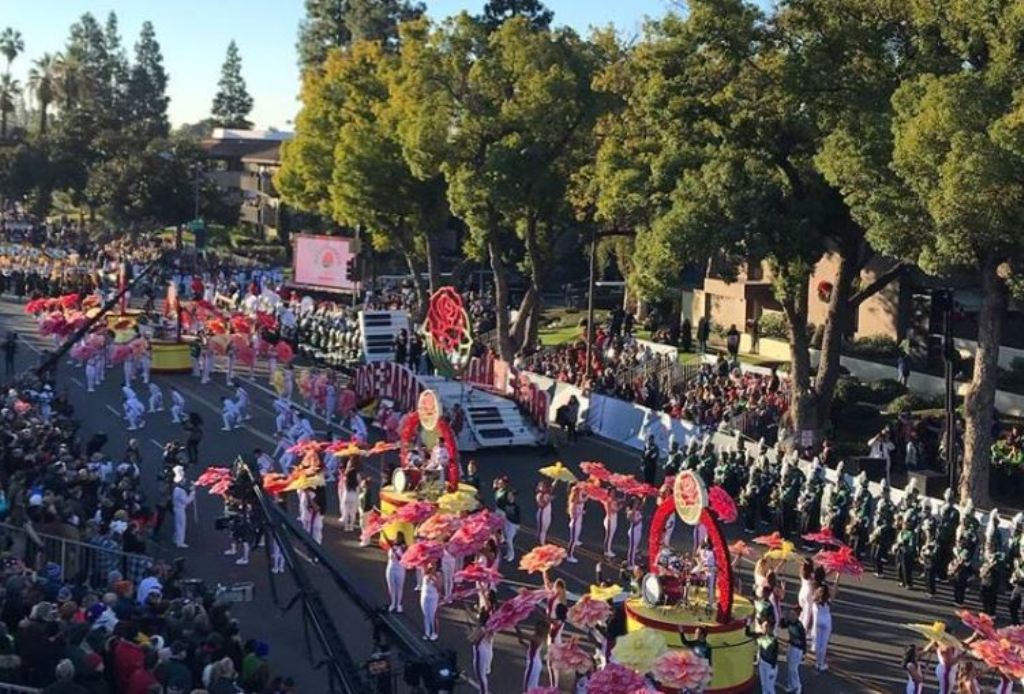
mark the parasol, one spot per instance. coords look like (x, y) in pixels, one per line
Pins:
(559, 473)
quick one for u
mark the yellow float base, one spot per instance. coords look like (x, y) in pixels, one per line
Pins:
(170, 357)
(391, 501)
(732, 651)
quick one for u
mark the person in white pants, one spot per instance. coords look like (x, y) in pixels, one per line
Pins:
(229, 367)
(348, 494)
(207, 360)
(574, 506)
(177, 406)
(448, 566)
(242, 400)
(635, 516)
(289, 382)
(822, 610)
(483, 653)
(767, 655)
(133, 412)
(394, 573)
(128, 366)
(795, 653)
(92, 377)
(313, 517)
(180, 501)
(229, 414)
(156, 398)
(430, 597)
(330, 400)
(611, 524)
(146, 363)
(543, 499)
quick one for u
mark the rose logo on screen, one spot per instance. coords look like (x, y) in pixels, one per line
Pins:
(327, 259)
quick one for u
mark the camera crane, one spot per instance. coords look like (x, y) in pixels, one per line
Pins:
(425, 664)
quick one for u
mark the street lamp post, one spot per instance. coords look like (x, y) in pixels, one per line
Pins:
(948, 358)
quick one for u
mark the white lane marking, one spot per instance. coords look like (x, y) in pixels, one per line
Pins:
(157, 444)
(113, 411)
(77, 382)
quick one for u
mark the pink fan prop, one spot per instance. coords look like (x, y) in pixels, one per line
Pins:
(774, 541)
(825, 536)
(594, 492)
(541, 559)
(478, 573)
(589, 613)
(569, 656)
(596, 471)
(722, 505)
(422, 554)
(439, 526)
(374, 524)
(213, 475)
(616, 679)
(980, 623)
(682, 669)
(515, 610)
(841, 561)
(414, 513)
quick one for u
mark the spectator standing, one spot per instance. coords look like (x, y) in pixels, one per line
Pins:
(732, 342)
(703, 334)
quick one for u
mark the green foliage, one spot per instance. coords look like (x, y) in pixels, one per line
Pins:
(885, 391)
(850, 389)
(331, 24)
(874, 347)
(912, 402)
(232, 103)
(11, 45)
(147, 86)
(497, 12)
(773, 325)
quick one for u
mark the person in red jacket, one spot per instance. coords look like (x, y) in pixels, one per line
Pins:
(144, 678)
(127, 655)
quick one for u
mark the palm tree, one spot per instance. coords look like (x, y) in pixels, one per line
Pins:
(9, 90)
(11, 45)
(42, 82)
(67, 71)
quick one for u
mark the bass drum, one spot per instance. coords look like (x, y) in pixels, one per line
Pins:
(406, 479)
(657, 591)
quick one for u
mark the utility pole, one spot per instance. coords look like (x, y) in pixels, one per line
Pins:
(590, 300)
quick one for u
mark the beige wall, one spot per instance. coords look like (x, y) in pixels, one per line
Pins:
(734, 303)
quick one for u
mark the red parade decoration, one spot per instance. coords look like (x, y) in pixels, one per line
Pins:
(723, 560)
(407, 435)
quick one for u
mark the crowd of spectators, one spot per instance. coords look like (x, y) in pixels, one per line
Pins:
(107, 618)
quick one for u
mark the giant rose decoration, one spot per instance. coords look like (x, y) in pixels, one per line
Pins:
(616, 679)
(682, 669)
(569, 656)
(588, 613)
(722, 504)
(422, 554)
(514, 610)
(639, 649)
(541, 559)
(448, 332)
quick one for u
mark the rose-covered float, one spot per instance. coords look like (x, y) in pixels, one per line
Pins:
(431, 480)
(677, 600)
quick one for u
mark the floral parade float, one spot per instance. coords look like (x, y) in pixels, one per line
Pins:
(674, 597)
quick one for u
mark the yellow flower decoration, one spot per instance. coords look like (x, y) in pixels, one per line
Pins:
(457, 502)
(639, 649)
(786, 552)
(605, 593)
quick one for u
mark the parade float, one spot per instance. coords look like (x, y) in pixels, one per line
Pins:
(674, 598)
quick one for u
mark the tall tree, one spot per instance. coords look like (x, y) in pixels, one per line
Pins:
(42, 82)
(10, 89)
(147, 86)
(11, 45)
(116, 71)
(717, 159)
(503, 116)
(232, 104)
(935, 177)
(497, 12)
(330, 24)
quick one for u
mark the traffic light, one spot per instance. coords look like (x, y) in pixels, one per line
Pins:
(351, 269)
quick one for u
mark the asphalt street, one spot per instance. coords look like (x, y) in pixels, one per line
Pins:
(867, 640)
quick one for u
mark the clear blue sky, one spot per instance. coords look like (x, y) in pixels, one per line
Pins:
(194, 35)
